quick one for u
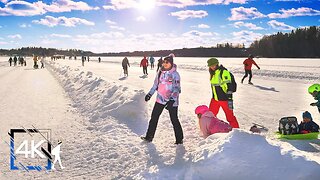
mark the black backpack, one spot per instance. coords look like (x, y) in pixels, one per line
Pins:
(288, 125)
(233, 84)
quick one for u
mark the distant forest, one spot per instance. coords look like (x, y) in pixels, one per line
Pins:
(299, 43)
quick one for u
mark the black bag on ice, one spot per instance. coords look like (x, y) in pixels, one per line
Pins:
(288, 125)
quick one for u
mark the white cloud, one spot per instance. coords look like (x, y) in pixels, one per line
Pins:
(126, 4)
(141, 19)
(117, 28)
(67, 6)
(15, 36)
(3, 43)
(60, 35)
(0, 26)
(302, 11)
(245, 37)
(63, 21)
(110, 22)
(241, 13)
(24, 25)
(109, 7)
(116, 41)
(247, 25)
(24, 8)
(201, 26)
(182, 15)
(198, 33)
(279, 25)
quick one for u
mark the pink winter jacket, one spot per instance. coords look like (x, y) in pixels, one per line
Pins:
(209, 124)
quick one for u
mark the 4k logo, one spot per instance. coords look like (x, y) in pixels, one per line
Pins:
(33, 147)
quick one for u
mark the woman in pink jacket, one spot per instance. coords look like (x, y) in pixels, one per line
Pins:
(209, 124)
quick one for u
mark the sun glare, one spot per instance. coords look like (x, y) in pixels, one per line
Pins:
(146, 4)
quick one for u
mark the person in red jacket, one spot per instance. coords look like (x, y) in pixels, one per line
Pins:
(247, 68)
(144, 64)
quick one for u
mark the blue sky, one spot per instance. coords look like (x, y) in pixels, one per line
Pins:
(129, 25)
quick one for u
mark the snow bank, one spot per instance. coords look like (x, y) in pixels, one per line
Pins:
(238, 155)
(97, 99)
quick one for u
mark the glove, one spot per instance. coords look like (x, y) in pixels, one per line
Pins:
(169, 104)
(313, 104)
(147, 98)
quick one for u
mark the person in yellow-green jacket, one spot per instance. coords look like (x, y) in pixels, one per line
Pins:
(222, 86)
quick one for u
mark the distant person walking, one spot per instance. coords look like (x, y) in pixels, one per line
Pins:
(125, 64)
(159, 63)
(247, 68)
(42, 62)
(15, 59)
(83, 59)
(88, 58)
(151, 59)
(144, 64)
(35, 62)
(222, 85)
(99, 59)
(10, 61)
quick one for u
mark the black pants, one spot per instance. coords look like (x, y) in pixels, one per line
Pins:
(125, 69)
(156, 112)
(248, 72)
(145, 70)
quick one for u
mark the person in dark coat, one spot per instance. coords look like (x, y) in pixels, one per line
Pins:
(125, 64)
(307, 125)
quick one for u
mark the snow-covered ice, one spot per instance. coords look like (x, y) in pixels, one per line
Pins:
(99, 115)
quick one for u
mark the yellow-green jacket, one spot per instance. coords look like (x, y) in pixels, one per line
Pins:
(222, 85)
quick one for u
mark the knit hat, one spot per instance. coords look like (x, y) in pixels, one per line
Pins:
(250, 56)
(201, 109)
(307, 115)
(212, 61)
(169, 59)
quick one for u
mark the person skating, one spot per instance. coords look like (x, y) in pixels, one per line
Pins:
(83, 59)
(314, 90)
(144, 64)
(35, 62)
(209, 123)
(159, 64)
(307, 125)
(10, 61)
(247, 68)
(222, 86)
(125, 64)
(42, 62)
(15, 59)
(167, 83)
(151, 59)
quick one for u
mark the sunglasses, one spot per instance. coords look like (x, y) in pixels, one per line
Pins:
(166, 62)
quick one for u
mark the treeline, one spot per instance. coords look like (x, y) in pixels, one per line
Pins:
(39, 51)
(299, 43)
(221, 51)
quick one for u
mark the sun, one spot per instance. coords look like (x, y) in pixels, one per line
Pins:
(146, 4)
